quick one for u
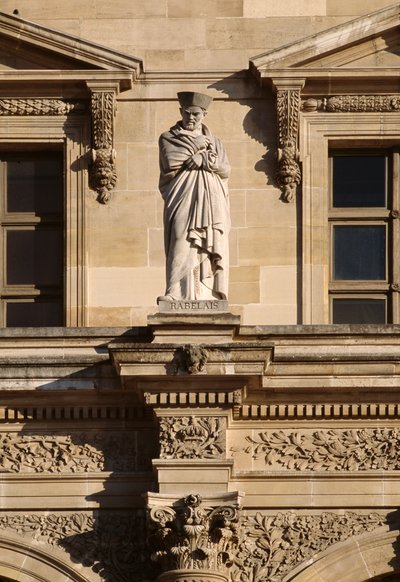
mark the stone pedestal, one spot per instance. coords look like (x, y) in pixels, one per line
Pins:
(192, 576)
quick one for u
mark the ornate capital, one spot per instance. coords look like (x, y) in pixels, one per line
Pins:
(191, 536)
(103, 175)
(288, 113)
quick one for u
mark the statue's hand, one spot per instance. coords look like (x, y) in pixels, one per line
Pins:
(194, 163)
(202, 142)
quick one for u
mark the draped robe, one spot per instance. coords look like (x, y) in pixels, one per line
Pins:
(196, 215)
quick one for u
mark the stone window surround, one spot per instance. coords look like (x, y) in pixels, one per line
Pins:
(73, 133)
(320, 132)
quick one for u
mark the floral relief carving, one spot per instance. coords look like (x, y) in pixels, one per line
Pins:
(83, 452)
(110, 543)
(38, 106)
(289, 173)
(329, 450)
(271, 546)
(103, 175)
(193, 536)
(191, 437)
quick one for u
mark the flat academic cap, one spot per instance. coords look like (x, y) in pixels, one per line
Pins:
(192, 99)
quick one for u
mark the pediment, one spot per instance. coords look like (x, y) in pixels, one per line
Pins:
(27, 46)
(365, 45)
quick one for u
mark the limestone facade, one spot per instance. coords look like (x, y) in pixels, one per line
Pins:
(253, 443)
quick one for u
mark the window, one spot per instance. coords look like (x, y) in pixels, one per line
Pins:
(361, 237)
(32, 235)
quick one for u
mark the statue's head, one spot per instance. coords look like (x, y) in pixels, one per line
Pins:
(193, 108)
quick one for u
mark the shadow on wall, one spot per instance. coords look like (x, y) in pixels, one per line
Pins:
(259, 123)
(96, 443)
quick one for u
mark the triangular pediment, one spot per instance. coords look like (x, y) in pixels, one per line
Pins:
(27, 46)
(369, 42)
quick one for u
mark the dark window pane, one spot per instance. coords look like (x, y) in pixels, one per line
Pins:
(34, 257)
(359, 181)
(35, 184)
(358, 311)
(359, 252)
(34, 314)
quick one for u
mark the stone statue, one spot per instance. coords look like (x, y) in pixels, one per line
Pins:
(193, 182)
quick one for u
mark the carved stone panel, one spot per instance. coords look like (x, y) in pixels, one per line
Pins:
(365, 449)
(192, 437)
(110, 543)
(75, 453)
(272, 545)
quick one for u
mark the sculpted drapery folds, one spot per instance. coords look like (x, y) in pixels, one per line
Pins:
(193, 182)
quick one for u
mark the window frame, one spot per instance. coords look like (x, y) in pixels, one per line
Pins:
(71, 134)
(320, 133)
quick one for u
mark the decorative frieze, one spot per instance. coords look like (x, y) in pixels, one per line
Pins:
(192, 437)
(271, 546)
(364, 449)
(354, 104)
(44, 106)
(192, 536)
(103, 175)
(288, 113)
(73, 453)
(110, 543)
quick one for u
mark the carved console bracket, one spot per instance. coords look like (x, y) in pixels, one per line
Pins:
(354, 104)
(103, 175)
(192, 538)
(288, 102)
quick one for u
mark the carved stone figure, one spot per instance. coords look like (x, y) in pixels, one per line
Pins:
(193, 182)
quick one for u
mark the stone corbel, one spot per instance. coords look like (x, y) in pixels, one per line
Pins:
(102, 173)
(288, 101)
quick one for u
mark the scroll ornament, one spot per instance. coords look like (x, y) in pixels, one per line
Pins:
(103, 175)
(192, 536)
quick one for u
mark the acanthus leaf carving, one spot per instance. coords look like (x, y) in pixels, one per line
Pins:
(270, 546)
(192, 536)
(328, 450)
(191, 437)
(103, 175)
